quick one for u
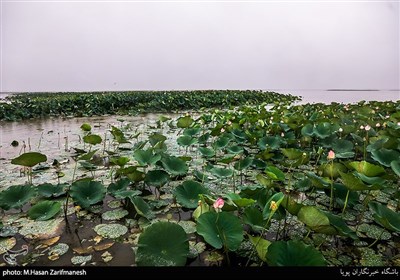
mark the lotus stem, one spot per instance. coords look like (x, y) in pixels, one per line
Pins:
(331, 199)
(345, 202)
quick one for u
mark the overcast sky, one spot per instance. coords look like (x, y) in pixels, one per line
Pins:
(84, 46)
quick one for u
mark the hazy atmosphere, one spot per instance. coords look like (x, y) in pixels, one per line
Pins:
(86, 46)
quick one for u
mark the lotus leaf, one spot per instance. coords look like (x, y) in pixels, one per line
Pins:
(92, 139)
(174, 165)
(385, 217)
(29, 159)
(220, 230)
(16, 196)
(366, 168)
(157, 178)
(50, 190)
(187, 194)
(293, 253)
(44, 210)
(385, 156)
(110, 230)
(86, 193)
(162, 244)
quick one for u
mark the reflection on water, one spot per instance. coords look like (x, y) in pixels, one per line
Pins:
(53, 134)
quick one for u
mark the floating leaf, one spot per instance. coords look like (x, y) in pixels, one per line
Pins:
(16, 197)
(206, 152)
(118, 186)
(174, 165)
(115, 214)
(92, 139)
(186, 140)
(146, 157)
(50, 190)
(43, 229)
(188, 226)
(111, 231)
(293, 253)
(157, 178)
(196, 249)
(81, 260)
(220, 229)
(29, 159)
(243, 164)
(221, 172)
(184, 122)
(162, 244)
(44, 210)
(187, 194)
(86, 193)
(7, 244)
(86, 127)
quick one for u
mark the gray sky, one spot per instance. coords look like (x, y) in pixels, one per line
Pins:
(73, 46)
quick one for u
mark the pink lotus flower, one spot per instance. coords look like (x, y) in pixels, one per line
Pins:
(367, 127)
(218, 204)
(331, 155)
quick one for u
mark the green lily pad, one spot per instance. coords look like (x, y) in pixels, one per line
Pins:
(16, 196)
(373, 231)
(186, 140)
(157, 178)
(44, 210)
(50, 190)
(86, 127)
(385, 156)
(146, 157)
(313, 218)
(192, 131)
(141, 207)
(220, 230)
(293, 253)
(184, 122)
(343, 148)
(385, 217)
(243, 164)
(355, 184)
(187, 194)
(118, 186)
(221, 172)
(111, 231)
(59, 249)
(221, 143)
(366, 168)
(156, 138)
(340, 226)
(235, 150)
(206, 152)
(269, 142)
(162, 244)
(92, 139)
(275, 173)
(174, 165)
(86, 193)
(395, 165)
(29, 159)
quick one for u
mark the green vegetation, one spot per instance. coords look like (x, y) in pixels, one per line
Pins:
(36, 105)
(289, 185)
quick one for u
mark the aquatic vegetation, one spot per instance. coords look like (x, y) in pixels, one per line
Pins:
(283, 184)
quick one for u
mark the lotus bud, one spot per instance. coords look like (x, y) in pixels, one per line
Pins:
(367, 127)
(331, 155)
(218, 204)
(273, 206)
